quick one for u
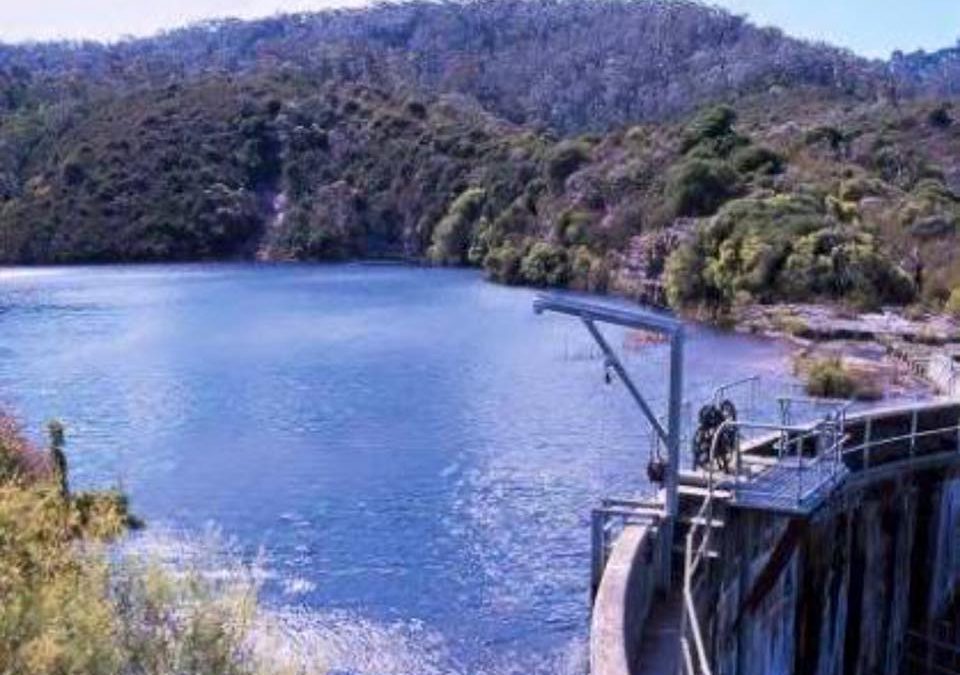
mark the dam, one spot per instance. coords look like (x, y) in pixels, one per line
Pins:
(824, 541)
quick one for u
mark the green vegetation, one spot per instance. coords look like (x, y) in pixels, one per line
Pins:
(698, 186)
(545, 265)
(806, 195)
(192, 171)
(782, 247)
(757, 159)
(503, 264)
(451, 237)
(827, 378)
(564, 159)
(831, 378)
(67, 607)
(711, 133)
(953, 303)
(940, 117)
(930, 210)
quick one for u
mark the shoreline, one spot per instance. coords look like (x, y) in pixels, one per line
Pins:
(904, 355)
(886, 344)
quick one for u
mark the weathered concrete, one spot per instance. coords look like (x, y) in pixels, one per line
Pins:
(835, 592)
(623, 602)
(873, 563)
(659, 650)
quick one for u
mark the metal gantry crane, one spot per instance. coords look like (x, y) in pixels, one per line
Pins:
(591, 313)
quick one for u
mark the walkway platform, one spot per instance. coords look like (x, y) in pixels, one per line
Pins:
(776, 485)
(791, 486)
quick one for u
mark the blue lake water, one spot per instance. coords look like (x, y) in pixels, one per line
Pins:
(414, 452)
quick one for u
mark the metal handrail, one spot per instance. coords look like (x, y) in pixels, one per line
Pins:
(794, 436)
(721, 391)
(695, 553)
(692, 561)
(904, 437)
(837, 406)
(695, 659)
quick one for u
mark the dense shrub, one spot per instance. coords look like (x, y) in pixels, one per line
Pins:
(545, 264)
(67, 607)
(831, 136)
(564, 159)
(901, 165)
(827, 378)
(485, 238)
(685, 281)
(712, 127)
(842, 264)
(930, 209)
(453, 234)
(588, 271)
(757, 159)
(856, 189)
(952, 304)
(831, 378)
(697, 187)
(940, 117)
(503, 263)
(573, 227)
(782, 247)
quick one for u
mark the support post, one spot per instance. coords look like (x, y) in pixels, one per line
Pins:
(590, 313)
(867, 440)
(674, 432)
(598, 548)
(913, 432)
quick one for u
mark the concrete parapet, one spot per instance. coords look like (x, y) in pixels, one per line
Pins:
(623, 602)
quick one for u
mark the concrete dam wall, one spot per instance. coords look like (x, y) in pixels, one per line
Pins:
(837, 593)
(858, 583)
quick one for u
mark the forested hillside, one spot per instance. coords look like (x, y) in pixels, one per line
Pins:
(653, 148)
(573, 65)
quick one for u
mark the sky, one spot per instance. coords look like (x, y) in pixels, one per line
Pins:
(869, 27)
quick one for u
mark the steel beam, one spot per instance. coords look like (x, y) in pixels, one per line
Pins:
(592, 312)
(614, 362)
(631, 318)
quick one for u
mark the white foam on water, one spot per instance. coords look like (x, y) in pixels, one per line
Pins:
(337, 642)
(298, 586)
(349, 644)
(345, 643)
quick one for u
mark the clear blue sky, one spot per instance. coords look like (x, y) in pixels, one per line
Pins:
(870, 27)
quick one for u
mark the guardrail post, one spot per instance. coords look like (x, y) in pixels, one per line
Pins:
(913, 431)
(958, 435)
(739, 475)
(799, 475)
(867, 435)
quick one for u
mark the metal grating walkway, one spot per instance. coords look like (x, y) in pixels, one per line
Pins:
(789, 486)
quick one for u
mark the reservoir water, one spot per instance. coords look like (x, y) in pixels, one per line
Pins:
(412, 453)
